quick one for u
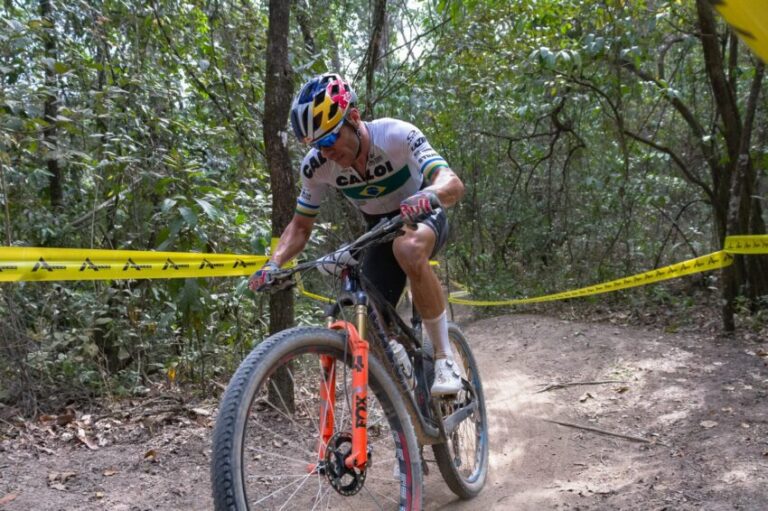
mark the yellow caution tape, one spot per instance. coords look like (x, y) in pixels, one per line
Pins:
(749, 18)
(303, 291)
(20, 263)
(29, 264)
(747, 244)
(705, 263)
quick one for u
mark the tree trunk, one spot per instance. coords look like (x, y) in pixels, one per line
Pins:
(277, 93)
(374, 56)
(303, 19)
(50, 108)
(745, 215)
(734, 184)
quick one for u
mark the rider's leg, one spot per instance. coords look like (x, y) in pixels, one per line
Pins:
(412, 252)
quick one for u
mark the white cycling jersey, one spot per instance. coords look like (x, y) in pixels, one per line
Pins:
(399, 161)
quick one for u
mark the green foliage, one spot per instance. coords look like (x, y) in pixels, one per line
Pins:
(539, 106)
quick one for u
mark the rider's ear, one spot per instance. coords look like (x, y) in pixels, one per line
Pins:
(353, 117)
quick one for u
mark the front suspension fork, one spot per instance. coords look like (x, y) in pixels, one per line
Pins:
(358, 457)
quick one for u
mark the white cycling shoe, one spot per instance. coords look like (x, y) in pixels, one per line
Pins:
(447, 378)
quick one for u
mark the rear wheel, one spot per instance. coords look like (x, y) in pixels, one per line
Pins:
(463, 459)
(267, 456)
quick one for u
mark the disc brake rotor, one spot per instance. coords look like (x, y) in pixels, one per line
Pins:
(346, 481)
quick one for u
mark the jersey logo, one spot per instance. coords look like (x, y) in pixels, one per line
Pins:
(380, 188)
(354, 179)
(372, 191)
(312, 165)
(417, 143)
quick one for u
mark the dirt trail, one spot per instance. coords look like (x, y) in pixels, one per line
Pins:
(700, 402)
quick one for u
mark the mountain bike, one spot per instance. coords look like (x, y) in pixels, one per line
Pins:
(337, 417)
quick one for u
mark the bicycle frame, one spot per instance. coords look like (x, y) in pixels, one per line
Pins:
(359, 348)
(428, 421)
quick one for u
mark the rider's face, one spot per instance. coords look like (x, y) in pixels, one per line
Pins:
(344, 150)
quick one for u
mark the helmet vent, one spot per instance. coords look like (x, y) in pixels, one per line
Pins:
(320, 98)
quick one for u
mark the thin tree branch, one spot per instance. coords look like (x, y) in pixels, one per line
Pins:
(8, 236)
(557, 386)
(245, 143)
(604, 432)
(678, 161)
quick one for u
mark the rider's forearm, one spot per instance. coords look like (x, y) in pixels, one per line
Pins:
(291, 243)
(447, 186)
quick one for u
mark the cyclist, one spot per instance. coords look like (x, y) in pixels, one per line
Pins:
(384, 167)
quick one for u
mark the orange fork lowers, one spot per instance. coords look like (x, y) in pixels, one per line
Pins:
(358, 457)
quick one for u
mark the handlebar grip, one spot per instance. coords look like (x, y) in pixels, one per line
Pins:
(434, 200)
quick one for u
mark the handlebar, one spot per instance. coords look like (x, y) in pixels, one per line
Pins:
(385, 229)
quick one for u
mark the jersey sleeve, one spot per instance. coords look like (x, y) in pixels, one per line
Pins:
(312, 188)
(421, 155)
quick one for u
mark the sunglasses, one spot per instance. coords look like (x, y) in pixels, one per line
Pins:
(330, 139)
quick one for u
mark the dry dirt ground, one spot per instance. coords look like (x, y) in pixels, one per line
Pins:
(691, 407)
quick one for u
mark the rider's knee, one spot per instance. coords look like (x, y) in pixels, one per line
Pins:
(412, 252)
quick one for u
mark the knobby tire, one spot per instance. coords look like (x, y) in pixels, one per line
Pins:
(463, 460)
(258, 446)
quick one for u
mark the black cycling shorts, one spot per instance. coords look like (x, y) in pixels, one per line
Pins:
(380, 266)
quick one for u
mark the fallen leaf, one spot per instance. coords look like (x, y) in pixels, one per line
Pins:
(110, 472)
(8, 498)
(622, 389)
(87, 441)
(150, 455)
(61, 476)
(66, 418)
(708, 424)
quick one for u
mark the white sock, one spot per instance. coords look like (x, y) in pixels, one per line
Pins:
(437, 330)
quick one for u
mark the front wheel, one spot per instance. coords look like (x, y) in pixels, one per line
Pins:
(267, 448)
(463, 459)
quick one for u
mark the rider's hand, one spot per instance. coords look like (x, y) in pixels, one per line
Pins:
(263, 277)
(418, 207)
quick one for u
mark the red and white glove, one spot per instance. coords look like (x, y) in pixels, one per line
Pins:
(418, 207)
(263, 277)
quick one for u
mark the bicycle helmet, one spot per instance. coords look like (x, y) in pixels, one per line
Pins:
(320, 106)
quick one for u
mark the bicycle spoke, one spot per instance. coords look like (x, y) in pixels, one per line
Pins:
(297, 481)
(310, 413)
(282, 413)
(294, 492)
(280, 466)
(285, 440)
(385, 497)
(280, 456)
